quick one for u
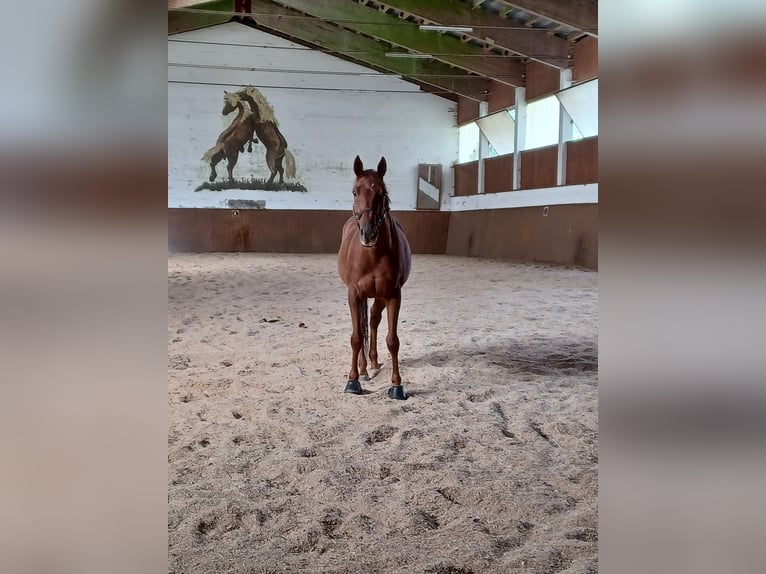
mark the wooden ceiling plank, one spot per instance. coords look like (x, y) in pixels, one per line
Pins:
(366, 51)
(381, 26)
(529, 43)
(580, 14)
(184, 21)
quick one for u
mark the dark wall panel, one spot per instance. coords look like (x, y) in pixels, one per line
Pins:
(582, 161)
(498, 174)
(501, 96)
(541, 80)
(538, 167)
(287, 231)
(585, 59)
(203, 230)
(567, 235)
(467, 110)
(426, 230)
(467, 178)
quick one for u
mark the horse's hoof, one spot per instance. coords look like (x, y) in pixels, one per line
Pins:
(353, 387)
(364, 378)
(397, 392)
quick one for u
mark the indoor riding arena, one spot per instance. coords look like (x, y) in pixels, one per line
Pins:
(485, 458)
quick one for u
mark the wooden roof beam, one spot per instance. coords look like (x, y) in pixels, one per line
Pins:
(531, 44)
(406, 35)
(580, 14)
(180, 20)
(366, 51)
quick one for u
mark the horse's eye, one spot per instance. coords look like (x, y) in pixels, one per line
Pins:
(354, 192)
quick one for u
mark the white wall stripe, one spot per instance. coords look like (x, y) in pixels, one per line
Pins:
(564, 195)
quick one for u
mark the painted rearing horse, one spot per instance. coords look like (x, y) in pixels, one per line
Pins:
(374, 261)
(267, 130)
(232, 140)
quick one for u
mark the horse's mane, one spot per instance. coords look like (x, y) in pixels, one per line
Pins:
(264, 107)
(234, 99)
(386, 199)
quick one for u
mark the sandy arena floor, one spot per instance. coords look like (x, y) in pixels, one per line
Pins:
(490, 466)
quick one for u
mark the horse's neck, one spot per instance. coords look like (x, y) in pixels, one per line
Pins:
(253, 108)
(233, 125)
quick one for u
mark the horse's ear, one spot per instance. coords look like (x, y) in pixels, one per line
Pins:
(358, 167)
(382, 166)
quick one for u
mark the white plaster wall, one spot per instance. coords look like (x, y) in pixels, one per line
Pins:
(326, 119)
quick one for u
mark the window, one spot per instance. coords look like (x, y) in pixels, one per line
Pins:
(542, 123)
(581, 103)
(468, 142)
(498, 129)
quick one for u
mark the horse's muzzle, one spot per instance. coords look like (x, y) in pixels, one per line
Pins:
(369, 242)
(368, 237)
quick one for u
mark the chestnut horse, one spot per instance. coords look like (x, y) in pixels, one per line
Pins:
(374, 262)
(232, 140)
(267, 130)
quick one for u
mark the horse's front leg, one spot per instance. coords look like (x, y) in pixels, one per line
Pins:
(213, 162)
(392, 340)
(376, 314)
(353, 386)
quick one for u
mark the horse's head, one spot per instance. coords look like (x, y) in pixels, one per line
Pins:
(371, 202)
(230, 101)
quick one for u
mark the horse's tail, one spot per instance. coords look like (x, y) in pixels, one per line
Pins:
(211, 152)
(289, 165)
(363, 322)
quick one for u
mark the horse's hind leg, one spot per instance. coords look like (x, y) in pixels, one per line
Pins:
(280, 169)
(376, 314)
(271, 162)
(230, 166)
(392, 340)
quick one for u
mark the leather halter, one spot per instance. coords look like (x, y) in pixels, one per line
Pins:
(376, 223)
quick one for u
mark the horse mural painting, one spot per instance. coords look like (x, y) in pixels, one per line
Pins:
(374, 262)
(267, 130)
(232, 140)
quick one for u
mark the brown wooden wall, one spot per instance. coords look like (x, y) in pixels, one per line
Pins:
(467, 110)
(501, 96)
(538, 167)
(585, 59)
(567, 235)
(582, 161)
(466, 178)
(498, 174)
(288, 231)
(541, 80)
